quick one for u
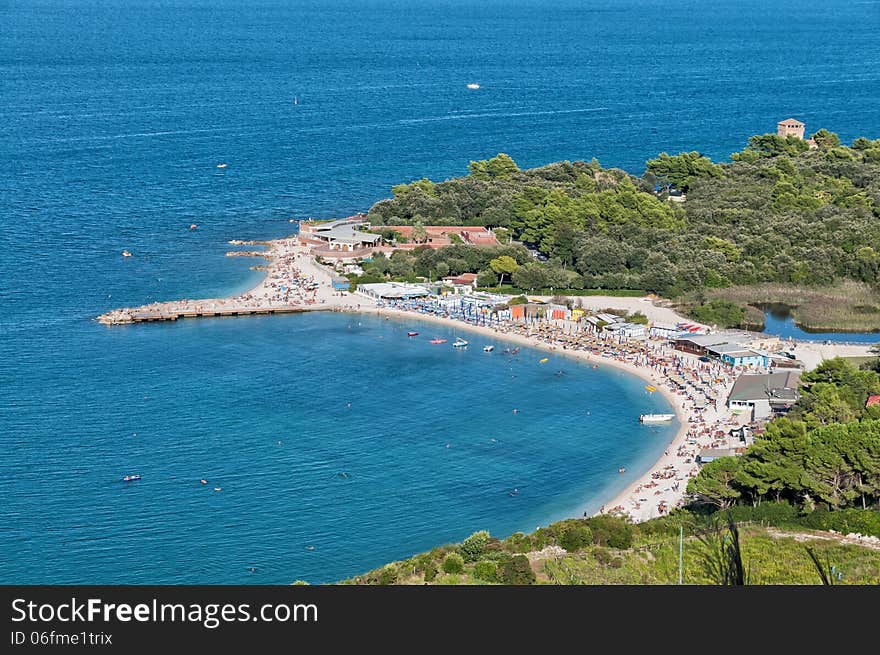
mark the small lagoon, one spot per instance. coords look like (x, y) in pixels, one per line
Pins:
(779, 322)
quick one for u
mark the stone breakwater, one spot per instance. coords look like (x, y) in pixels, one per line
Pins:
(293, 283)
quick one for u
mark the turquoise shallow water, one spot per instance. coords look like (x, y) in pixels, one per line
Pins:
(260, 408)
(114, 117)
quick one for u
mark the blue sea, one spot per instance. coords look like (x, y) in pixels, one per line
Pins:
(114, 116)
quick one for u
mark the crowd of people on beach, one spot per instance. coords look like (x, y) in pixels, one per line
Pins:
(287, 284)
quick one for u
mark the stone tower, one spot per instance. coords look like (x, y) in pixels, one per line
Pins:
(790, 127)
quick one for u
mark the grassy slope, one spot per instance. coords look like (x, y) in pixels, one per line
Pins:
(769, 559)
(771, 555)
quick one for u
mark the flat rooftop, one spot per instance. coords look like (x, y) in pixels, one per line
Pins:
(780, 385)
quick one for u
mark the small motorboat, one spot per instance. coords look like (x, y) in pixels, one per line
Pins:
(460, 343)
(488, 349)
(203, 481)
(412, 334)
(621, 470)
(125, 253)
(473, 85)
(131, 478)
(221, 165)
(656, 418)
(218, 489)
(192, 226)
(437, 341)
(544, 361)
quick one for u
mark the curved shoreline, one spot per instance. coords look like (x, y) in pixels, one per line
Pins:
(290, 264)
(647, 376)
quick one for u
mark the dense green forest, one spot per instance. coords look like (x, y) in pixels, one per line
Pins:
(779, 212)
(824, 454)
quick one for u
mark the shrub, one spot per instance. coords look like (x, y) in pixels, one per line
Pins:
(772, 513)
(388, 575)
(542, 537)
(430, 572)
(454, 563)
(722, 313)
(611, 531)
(668, 526)
(602, 556)
(486, 570)
(575, 537)
(422, 562)
(517, 543)
(517, 571)
(474, 546)
(863, 521)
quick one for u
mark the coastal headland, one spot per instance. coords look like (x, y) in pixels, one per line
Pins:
(295, 282)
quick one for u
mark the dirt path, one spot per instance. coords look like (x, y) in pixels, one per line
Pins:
(872, 543)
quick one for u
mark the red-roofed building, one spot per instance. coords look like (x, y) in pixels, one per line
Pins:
(438, 236)
(466, 282)
(872, 401)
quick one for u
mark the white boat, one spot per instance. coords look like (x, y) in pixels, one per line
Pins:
(656, 418)
(221, 165)
(473, 85)
(125, 253)
(460, 343)
(488, 349)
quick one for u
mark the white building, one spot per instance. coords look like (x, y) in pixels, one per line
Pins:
(392, 291)
(627, 330)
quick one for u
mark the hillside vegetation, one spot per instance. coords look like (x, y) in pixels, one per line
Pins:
(777, 213)
(609, 550)
(825, 454)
